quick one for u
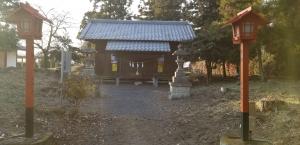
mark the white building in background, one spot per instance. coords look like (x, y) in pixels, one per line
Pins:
(11, 58)
(21, 55)
(8, 58)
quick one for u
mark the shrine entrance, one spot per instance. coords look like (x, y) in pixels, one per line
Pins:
(142, 65)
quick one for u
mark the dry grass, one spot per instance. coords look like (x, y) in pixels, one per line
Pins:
(280, 126)
(12, 96)
(209, 110)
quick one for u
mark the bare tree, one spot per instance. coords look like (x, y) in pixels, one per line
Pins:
(60, 24)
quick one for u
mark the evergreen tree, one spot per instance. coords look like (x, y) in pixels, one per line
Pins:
(213, 43)
(8, 37)
(203, 12)
(229, 8)
(161, 9)
(5, 6)
(282, 39)
(108, 9)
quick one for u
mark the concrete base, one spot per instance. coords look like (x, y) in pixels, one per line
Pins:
(231, 140)
(179, 91)
(38, 139)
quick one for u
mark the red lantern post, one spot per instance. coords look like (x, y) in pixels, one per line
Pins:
(29, 88)
(245, 26)
(29, 25)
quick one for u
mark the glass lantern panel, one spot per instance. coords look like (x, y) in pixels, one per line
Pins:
(25, 26)
(248, 29)
(236, 31)
(38, 28)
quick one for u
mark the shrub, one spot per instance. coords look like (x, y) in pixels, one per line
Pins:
(78, 87)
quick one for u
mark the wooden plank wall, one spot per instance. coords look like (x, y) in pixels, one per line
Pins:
(103, 65)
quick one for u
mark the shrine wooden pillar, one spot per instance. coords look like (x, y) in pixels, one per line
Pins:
(29, 87)
(245, 26)
(29, 27)
(244, 89)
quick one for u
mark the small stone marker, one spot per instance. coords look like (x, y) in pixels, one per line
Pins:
(155, 81)
(117, 81)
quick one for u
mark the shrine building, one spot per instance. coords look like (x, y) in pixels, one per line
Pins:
(138, 50)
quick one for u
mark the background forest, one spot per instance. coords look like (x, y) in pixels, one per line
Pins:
(130, 114)
(274, 54)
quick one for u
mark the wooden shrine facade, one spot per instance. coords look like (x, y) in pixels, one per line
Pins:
(136, 49)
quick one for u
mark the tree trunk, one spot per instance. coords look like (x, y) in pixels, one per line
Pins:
(238, 69)
(224, 69)
(260, 64)
(208, 70)
(46, 60)
(5, 58)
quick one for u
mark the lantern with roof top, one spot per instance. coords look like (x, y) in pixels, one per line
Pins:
(29, 26)
(245, 26)
(29, 21)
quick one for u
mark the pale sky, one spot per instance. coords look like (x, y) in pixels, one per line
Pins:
(76, 8)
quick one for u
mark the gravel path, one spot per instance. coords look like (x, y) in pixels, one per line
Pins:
(133, 101)
(128, 108)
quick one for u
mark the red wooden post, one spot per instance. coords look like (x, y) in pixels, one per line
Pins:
(244, 91)
(244, 27)
(29, 88)
(29, 25)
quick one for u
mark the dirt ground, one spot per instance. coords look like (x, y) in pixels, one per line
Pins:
(136, 115)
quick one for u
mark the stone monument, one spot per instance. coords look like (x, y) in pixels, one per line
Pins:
(180, 86)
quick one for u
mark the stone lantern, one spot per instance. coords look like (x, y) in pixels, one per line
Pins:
(89, 61)
(180, 85)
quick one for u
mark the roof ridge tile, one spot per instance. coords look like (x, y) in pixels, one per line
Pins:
(159, 22)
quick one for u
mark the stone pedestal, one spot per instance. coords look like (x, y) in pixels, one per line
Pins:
(178, 91)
